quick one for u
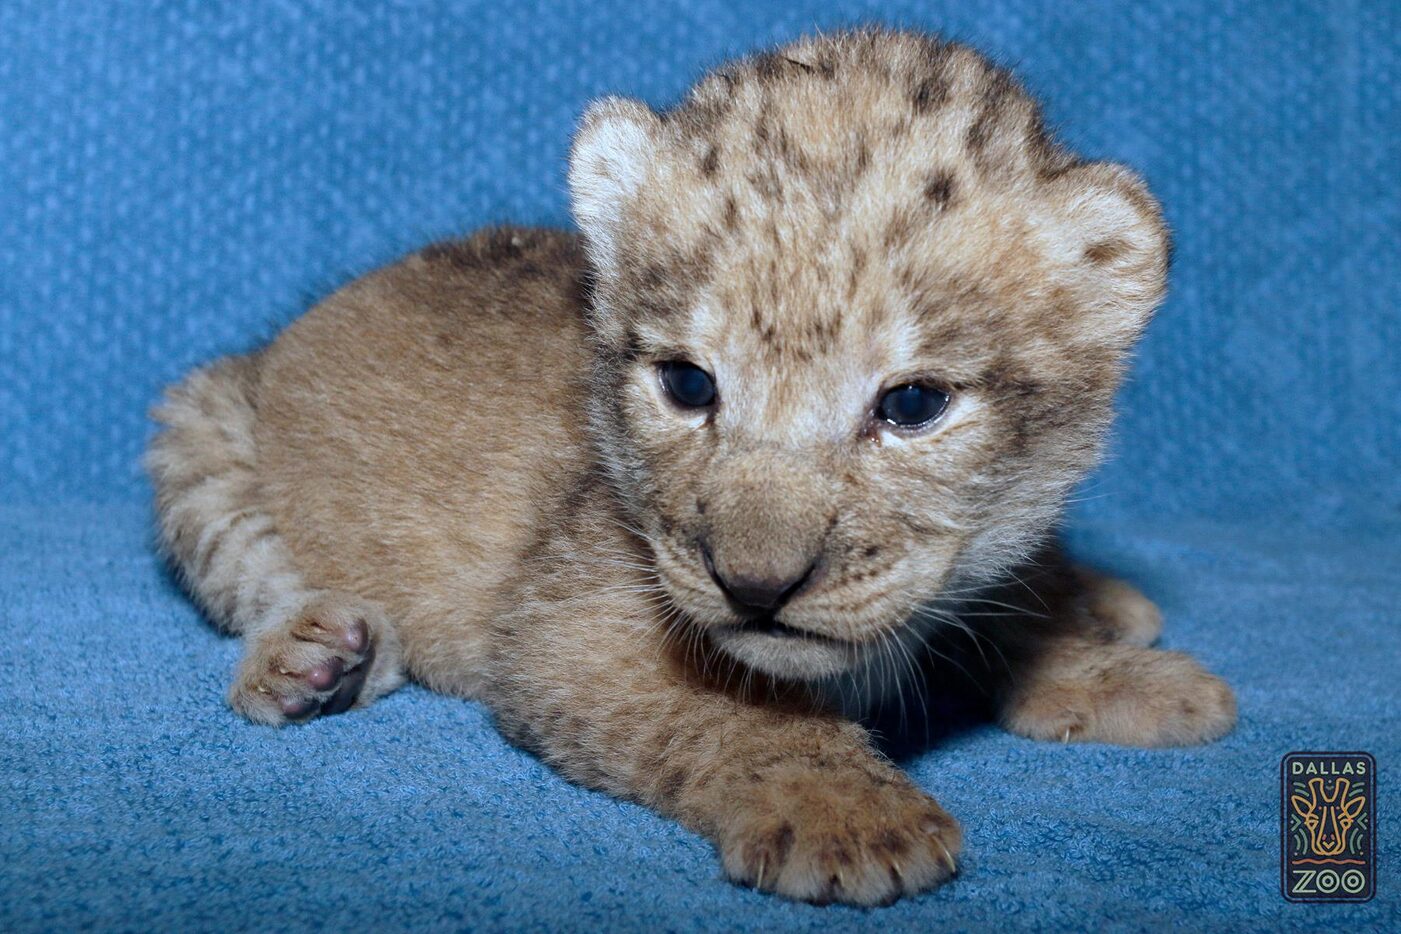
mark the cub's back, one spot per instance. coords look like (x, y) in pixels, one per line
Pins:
(414, 427)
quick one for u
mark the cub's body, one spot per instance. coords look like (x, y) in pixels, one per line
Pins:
(687, 498)
(416, 429)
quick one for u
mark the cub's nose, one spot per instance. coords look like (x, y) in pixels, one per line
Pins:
(756, 595)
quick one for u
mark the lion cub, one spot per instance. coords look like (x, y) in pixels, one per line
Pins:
(685, 498)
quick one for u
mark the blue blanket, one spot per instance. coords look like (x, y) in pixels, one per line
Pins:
(177, 180)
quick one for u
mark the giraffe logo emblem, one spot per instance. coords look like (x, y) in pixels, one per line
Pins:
(1328, 826)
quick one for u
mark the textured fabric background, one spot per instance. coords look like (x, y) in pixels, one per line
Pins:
(178, 180)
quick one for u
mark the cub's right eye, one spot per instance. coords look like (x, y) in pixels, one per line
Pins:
(687, 384)
(912, 405)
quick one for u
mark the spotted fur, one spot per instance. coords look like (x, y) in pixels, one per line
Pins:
(465, 467)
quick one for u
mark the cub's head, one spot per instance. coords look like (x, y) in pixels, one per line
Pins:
(859, 322)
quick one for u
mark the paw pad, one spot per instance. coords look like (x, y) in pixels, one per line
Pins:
(314, 664)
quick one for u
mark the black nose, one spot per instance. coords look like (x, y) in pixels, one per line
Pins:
(757, 595)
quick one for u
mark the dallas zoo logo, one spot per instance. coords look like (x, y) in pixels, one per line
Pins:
(1328, 826)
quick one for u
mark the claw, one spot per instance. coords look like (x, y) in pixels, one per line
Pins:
(760, 883)
(948, 859)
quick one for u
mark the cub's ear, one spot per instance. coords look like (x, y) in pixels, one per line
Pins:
(613, 151)
(1117, 247)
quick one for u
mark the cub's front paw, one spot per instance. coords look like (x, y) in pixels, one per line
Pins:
(1118, 611)
(1121, 694)
(335, 652)
(839, 835)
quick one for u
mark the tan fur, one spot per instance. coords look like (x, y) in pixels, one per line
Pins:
(464, 467)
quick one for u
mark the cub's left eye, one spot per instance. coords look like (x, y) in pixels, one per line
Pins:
(688, 385)
(912, 405)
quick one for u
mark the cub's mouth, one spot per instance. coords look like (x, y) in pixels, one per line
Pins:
(769, 625)
(782, 650)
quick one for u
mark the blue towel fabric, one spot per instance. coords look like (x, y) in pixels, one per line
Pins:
(179, 179)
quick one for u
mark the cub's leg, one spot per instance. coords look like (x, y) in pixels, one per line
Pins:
(306, 651)
(795, 800)
(333, 652)
(1086, 672)
(1107, 609)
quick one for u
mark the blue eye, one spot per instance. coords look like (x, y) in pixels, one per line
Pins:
(688, 385)
(912, 405)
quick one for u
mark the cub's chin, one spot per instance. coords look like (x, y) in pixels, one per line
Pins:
(783, 651)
